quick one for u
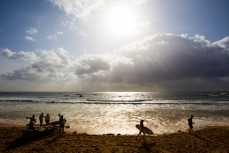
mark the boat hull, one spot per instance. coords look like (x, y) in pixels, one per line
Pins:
(38, 133)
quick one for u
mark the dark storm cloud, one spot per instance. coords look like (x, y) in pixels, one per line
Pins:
(170, 57)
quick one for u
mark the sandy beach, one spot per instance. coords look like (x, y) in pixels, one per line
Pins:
(209, 139)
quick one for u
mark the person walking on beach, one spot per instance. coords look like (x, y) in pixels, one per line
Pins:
(62, 124)
(142, 129)
(47, 119)
(41, 119)
(32, 121)
(190, 123)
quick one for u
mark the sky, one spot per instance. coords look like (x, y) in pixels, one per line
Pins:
(114, 45)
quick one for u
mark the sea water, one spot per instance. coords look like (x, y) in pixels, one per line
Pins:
(118, 112)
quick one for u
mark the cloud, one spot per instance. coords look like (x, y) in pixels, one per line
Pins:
(84, 8)
(56, 35)
(32, 31)
(92, 64)
(98, 66)
(224, 43)
(49, 65)
(157, 61)
(19, 55)
(70, 24)
(29, 38)
(163, 60)
(79, 8)
(171, 57)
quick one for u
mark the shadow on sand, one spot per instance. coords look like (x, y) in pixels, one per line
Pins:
(201, 138)
(148, 147)
(19, 142)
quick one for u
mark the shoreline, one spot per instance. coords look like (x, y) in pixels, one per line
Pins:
(209, 139)
(68, 130)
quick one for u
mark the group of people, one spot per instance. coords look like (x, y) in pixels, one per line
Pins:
(61, 122)
(190, 124)
(47, 119)
(32, 120)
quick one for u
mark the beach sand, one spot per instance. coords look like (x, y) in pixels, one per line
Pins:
(209, 139)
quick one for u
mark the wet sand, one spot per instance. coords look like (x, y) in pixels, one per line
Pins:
(209, 139)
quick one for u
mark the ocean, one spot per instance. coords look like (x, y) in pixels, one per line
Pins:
(118, 112)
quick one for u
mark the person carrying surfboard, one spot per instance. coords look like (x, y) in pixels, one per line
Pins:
(142, 129)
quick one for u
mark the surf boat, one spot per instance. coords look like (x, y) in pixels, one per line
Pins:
(38, 133)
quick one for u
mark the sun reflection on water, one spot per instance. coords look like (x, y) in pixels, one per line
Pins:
(121, 117)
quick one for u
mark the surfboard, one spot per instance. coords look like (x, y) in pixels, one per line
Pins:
(146, 130)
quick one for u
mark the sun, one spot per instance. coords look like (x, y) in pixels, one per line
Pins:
(122, 20)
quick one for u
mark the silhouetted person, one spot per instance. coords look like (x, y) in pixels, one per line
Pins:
(62, 124)
(47, 119)
(41, 119)
(32, 121)
(142, 129)
(59, 122)
(190, 123)
(59, 117)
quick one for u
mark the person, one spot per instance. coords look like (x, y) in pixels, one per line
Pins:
(142, 129)
(190, 123)
(32, 121)
(41, 119)
(47, 119)
(59, 117)
(62, 124)
(59, 123)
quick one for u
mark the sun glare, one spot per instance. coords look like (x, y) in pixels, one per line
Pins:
(121, 21)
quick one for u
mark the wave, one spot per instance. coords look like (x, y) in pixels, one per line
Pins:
(141, 103)
(119, 101)
(217, 94)
(26, 101)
